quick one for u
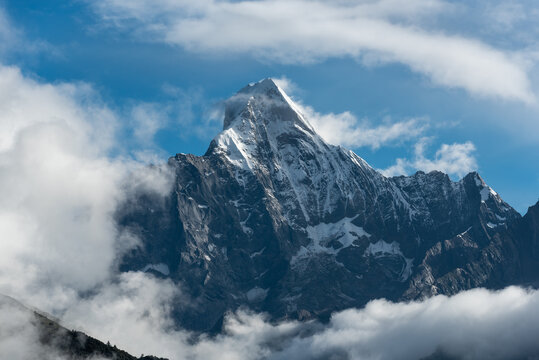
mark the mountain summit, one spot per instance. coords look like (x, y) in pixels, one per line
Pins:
(275, 219)
(257, 119)
(264, 96)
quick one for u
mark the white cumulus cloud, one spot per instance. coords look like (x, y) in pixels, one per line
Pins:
(454, 159)
(59, 188)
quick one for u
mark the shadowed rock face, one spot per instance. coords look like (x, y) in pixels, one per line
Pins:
(275, 219)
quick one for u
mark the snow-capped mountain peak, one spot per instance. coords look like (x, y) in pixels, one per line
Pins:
(257, 120)
(265, 92)
(266, 135)
(275, 218)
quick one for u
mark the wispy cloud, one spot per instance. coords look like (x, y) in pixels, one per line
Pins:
(181, 113)
(513, 23)
(147, 119)
(454, 159)
(303, 31)
(13, 41)
(347, 130)
(193, 112)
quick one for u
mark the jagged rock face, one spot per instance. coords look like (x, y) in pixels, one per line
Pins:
(526, 231)
(274, 218)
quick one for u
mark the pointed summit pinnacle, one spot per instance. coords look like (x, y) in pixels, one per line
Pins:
(261, 118)
(262, 102)
(265, 86)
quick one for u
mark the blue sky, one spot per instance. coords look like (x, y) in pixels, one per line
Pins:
(437, 84)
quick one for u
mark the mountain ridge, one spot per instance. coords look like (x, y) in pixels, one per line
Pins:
(47, 338)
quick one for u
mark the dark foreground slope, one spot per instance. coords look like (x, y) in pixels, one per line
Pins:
(275, 219)
(41, 337)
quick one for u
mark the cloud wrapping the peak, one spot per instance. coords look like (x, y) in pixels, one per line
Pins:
(475, 324)
(301, 31)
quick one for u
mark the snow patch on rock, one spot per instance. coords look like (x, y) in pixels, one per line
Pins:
(381, 249)
(161, 268)
(323, 234)
(486, 191)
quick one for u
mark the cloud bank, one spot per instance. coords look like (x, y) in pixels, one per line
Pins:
(476, 324)
(299, 31)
